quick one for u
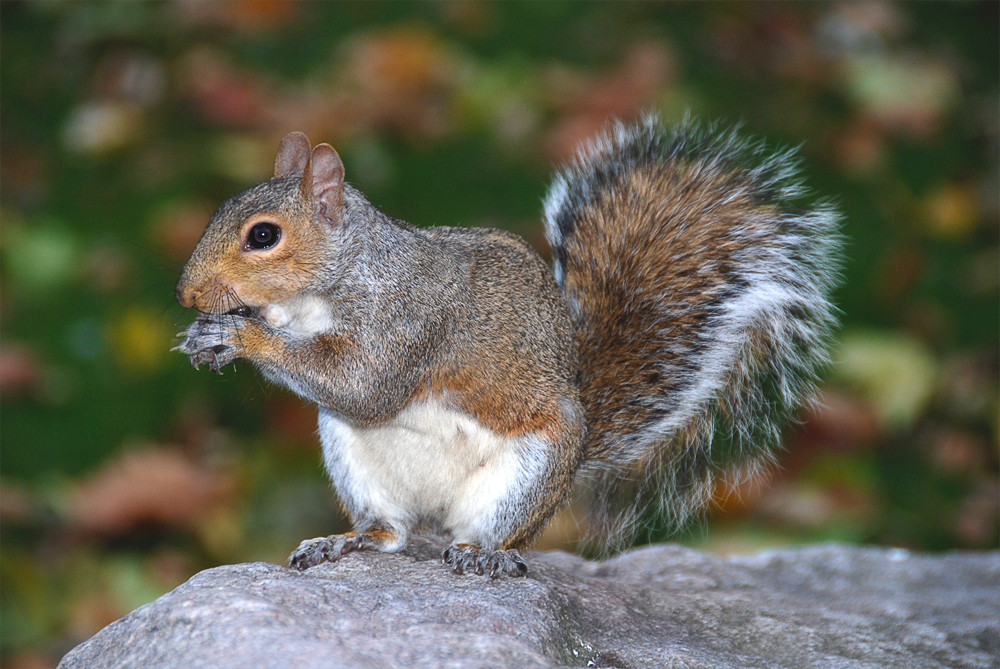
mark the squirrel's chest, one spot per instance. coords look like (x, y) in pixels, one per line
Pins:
(430, 463)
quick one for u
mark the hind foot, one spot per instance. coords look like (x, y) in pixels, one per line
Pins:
(463, 558)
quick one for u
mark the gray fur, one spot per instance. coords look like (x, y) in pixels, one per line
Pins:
(722, 329)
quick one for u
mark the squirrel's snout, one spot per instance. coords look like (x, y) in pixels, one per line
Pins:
(214, 297)
(185, 296)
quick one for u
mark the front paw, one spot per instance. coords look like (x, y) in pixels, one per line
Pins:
(329, 549)
(213, 340)
(311, 552)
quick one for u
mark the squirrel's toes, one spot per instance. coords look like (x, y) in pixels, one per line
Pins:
(466, 558)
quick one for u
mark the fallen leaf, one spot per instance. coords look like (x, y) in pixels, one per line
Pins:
(16, 504)
(103, 126)
(861, 148)
(247, 15)
(20, 371)
(976, 524)
(176, 228)
(906, 92)
(644, 73)
(130, 76)
(836, 422)
(147, 486)
(242, 158)
(222, 92)
(900, 269)
(952, 211)
(894, 371)
(107, 268)
(140, 338)
(40, 256)
(402, 79)
(954, 450)
(31, 659)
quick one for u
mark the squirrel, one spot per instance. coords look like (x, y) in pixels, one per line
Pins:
(464, 386)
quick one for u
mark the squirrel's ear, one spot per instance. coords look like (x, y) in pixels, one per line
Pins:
(323, 180)
(293, 154)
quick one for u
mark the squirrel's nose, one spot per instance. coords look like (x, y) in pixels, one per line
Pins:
(185, 296)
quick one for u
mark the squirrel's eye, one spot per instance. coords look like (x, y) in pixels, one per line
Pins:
(263, 236)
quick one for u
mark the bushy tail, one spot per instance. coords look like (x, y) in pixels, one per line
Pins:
(700, 296)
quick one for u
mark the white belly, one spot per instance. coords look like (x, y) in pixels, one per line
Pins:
(431, 464)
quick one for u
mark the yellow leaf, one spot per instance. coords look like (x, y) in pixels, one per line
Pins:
(141, 339)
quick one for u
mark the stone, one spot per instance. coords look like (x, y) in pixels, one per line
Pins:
(659, 606)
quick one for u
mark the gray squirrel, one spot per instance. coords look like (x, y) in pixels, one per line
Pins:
(465, 387)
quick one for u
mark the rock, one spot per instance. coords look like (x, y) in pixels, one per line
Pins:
(660, 606)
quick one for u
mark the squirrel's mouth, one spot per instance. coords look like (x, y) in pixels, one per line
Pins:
(245, 312)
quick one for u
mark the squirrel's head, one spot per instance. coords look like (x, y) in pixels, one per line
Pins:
(272, 241)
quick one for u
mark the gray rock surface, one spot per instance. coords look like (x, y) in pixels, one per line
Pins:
(660, 606)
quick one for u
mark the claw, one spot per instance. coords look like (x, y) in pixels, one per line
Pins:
(207, 357)
(469, 559)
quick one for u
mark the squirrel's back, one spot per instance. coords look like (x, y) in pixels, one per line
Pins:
(698, 289)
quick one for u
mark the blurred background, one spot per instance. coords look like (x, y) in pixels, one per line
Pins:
(123, 471)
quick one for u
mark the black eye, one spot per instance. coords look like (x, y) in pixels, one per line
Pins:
(263, 236)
